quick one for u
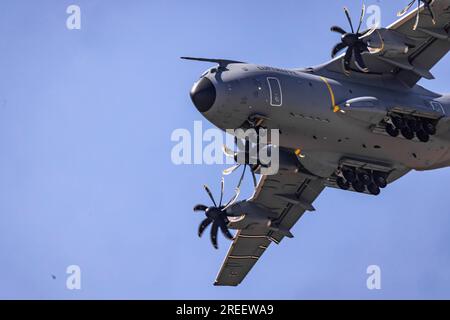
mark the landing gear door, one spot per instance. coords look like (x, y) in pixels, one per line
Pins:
(276, 95)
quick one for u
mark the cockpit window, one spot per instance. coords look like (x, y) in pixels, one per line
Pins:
(276, 96)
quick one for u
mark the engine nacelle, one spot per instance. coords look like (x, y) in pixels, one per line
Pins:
(388, 43)
(247, 214)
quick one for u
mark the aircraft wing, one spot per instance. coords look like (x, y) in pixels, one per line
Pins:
(288, 195)
(431, 42)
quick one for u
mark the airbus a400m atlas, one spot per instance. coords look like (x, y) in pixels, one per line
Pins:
(357, 123)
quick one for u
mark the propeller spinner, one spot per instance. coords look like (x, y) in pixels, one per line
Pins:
(216, 215)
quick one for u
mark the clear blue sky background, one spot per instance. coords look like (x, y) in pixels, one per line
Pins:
(86, 176)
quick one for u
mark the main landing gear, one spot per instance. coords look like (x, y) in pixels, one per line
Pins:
(361, 180)
(410, 127)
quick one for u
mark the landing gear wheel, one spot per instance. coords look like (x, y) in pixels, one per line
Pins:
(398, 122)
(429, 127)
(364, 177)
(373, 189)
(413, 124)
(349, 174)
(392, 131)
(407, 133)
(423, 136)
(380, 180)
(358, 186)
(342, 183)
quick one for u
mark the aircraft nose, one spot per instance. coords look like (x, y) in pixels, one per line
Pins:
(203, 94)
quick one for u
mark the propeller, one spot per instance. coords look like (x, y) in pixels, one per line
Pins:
(216, 215)
(238, 155)
(427, 5)
(354, 43)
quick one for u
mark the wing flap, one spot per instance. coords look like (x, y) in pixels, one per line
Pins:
(244, 252)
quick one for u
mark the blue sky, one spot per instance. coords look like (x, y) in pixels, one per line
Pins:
(86, 176)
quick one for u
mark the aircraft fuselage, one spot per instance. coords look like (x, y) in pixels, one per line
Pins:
(329, 116)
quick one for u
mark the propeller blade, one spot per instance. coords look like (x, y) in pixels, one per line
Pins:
(347, 14)
(347, 60)
(222, 187)
(359, 61)
(203, 225)
(232, 200)
(416, 24)
(368, 32)
(242, 177)
(210, 194)
(214, 229)
(431, 10)
(230, 170)
(402, 13)
(254, 178)
(200, 207)
(226, 232)
(340, 46)
(338, 30)
(363, 13)
(228, 152)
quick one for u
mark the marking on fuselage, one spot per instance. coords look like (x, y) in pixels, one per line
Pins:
(334, 107)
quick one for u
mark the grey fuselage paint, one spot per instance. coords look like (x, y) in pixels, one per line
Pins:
(307, 119)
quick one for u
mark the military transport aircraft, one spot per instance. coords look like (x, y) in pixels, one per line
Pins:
(357, 123)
